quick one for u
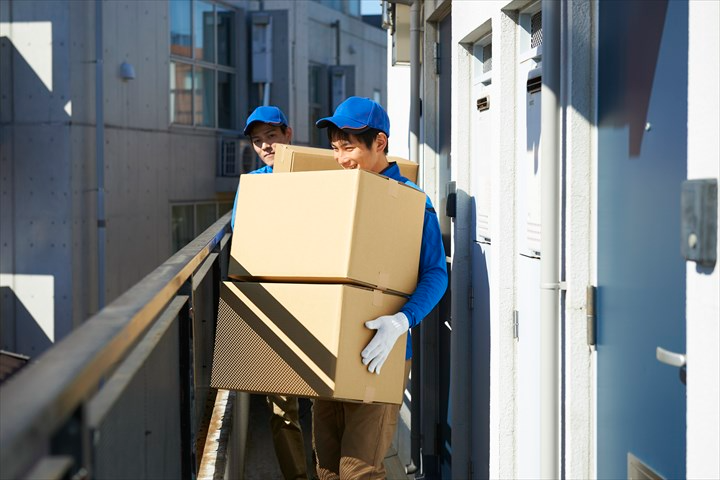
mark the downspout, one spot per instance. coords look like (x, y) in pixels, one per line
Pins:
(100, 152)
(415, 37)
(550, 245)
(336, 26)
(418, 370)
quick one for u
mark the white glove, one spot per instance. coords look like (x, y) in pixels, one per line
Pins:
(389, 328)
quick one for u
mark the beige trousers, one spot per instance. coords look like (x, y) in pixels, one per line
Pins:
(352, 439)
(287, 436)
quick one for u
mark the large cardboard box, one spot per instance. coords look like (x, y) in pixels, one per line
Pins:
(333, 226)
(293, 158)
(304, 340)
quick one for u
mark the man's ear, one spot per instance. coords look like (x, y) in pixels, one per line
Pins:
(288, 132)
(381, 142)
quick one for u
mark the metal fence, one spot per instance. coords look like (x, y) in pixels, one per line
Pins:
(126, 395)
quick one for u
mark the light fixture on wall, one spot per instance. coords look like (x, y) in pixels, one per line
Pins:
(127, 71)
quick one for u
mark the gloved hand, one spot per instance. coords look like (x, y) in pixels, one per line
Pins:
(389, 328)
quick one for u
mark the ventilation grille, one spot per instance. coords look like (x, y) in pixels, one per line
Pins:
(483, 104)
(487, 58)
(536, 30)
(534, 84)
(229, 157)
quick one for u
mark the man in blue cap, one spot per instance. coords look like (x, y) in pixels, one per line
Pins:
(266, 126)
(351, 439)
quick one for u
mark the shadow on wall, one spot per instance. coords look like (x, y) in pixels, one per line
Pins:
(480, 347)
(37, 196)
(19, 331)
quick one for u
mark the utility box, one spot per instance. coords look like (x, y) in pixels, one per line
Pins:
(304, 340)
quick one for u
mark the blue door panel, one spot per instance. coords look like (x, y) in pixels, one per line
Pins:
(642, 150)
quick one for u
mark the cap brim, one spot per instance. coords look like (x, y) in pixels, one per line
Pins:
(342, 123)
(249, 125)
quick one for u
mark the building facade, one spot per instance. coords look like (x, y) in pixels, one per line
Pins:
(557, 139)
(121, 133)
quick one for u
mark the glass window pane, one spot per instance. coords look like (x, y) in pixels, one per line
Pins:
(204, 32)
(183, 223)
(180, 33)
(226, 36)
(226, 100)
(180, 93)
(204, 97)
(206, 216)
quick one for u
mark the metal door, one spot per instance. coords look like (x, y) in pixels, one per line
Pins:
(642, 145)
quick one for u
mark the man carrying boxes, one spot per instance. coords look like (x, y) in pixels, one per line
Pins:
(351, 439)
(266, 126)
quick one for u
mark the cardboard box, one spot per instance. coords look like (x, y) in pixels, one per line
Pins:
(304, 340)
(293, 158)
(339, 226)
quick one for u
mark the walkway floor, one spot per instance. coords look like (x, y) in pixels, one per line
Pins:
(260, 460)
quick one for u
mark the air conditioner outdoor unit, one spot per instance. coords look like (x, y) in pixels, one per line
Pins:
(233, 155)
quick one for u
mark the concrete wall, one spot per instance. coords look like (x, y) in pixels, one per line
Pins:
(48, 214)
(703, 285)
(38, 194)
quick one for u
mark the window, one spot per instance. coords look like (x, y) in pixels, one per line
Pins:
(191, 219)
(203, 76)
(348, 7)
(318, 103)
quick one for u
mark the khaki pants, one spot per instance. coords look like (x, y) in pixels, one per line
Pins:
(352, 439)
(287, 436)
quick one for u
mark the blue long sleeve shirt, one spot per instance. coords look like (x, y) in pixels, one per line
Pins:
(432, 272)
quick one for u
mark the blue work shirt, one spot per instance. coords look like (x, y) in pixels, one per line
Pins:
(432, 272)
(265, 169)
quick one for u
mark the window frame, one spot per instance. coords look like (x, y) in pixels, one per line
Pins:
(215, 67)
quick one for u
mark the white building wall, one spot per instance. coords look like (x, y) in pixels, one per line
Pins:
(579, 104)
(703, 287)
(469, 25)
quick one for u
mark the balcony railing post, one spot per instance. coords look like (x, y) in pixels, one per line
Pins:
(72, 440)
(187, 383)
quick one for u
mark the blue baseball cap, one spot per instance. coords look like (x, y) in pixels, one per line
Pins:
(271, 115)
(358, 114)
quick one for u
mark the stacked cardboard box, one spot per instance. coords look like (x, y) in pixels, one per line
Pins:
(293, 158)
(315, 255)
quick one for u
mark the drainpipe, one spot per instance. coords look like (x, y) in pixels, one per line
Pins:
(418, 369)
(415, 37)
(550, 245)
(336, 26)
(100, 152)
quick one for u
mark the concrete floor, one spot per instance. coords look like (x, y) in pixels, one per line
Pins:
(260, 460)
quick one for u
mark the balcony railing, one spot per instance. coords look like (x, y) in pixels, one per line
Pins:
(126, 395)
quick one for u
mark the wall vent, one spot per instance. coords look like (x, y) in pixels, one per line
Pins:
(487, 58)
(534, 85)
(536, 30)
(483, 103)
(236, 157)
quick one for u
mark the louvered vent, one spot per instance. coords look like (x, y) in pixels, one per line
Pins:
(483, 103)
(534, 85)
(487, 58)
(536, 30)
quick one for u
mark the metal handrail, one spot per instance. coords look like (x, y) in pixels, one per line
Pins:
(36, 401)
